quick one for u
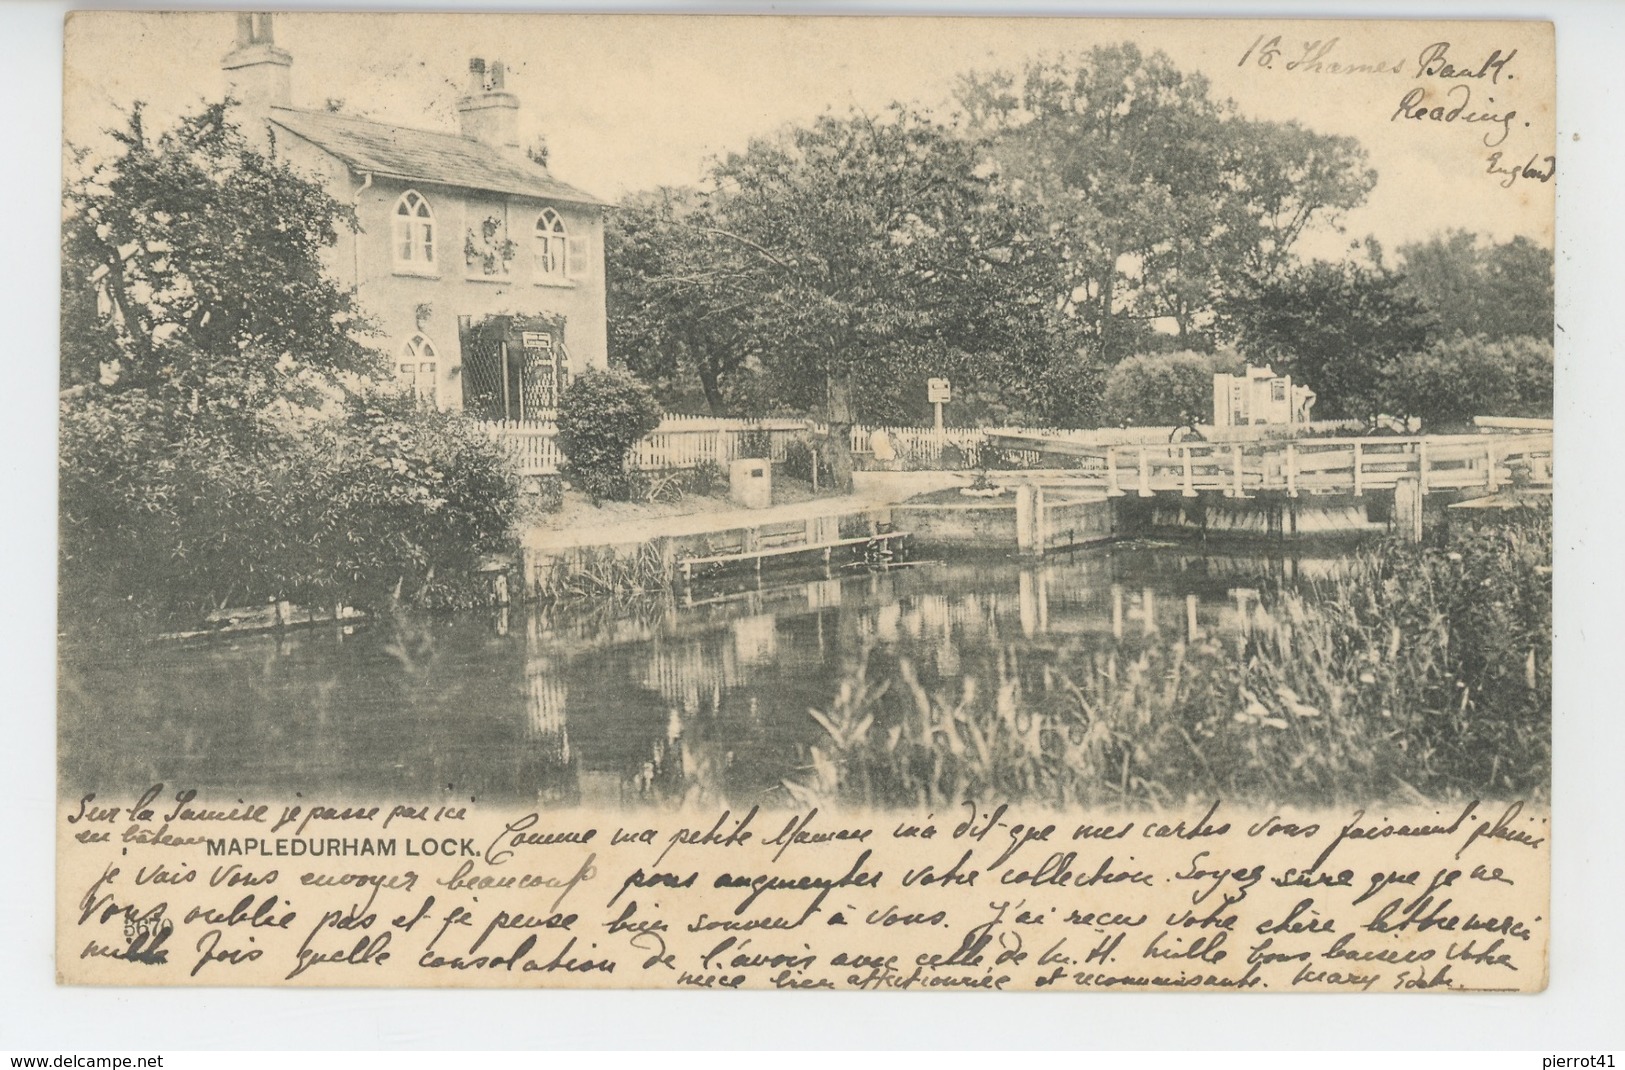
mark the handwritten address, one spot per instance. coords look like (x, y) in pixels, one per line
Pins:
(161, 889)
(1444, 88)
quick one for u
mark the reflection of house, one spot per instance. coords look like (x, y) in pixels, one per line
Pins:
(1259, 396)
(756, 639)
(692, 673)
(456, 228)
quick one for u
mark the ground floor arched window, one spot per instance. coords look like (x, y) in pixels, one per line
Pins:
(419, 369)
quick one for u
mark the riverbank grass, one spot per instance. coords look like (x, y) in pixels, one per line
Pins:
(1417, 673)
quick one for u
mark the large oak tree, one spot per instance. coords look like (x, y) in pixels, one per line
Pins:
(1160, 195)
(849, 260)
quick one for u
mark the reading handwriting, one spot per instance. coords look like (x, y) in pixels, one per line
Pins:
(1415, 105)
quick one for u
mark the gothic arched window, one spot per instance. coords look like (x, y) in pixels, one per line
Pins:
(419, 369)
(414, 231)
(552, 246)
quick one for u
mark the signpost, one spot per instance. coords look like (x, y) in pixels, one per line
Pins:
(937, 393)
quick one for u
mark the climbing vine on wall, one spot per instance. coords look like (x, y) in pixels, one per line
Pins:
(491, 248)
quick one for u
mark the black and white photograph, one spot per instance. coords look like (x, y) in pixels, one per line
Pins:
(791, 473)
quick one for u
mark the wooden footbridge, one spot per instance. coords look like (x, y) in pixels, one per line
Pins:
(1485, 463)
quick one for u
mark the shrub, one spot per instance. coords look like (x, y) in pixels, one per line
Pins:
(167, 514)
(707, 478)
(799, 459)
(1159, 390)
(601, 416)
(549, 494)
(755, 443)
(1452, 381)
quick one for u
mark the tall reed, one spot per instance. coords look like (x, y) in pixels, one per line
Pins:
(1418, 673)
(604, 572)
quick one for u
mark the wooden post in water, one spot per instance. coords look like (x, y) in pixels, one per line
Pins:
(1359, 485)
(1238, 490)
(1492, 475)
(1041, 578)
(1190, 482)
(1026, 521)
(1111, 473)
(1291, 469)
(1145, 473)
(1027, 602)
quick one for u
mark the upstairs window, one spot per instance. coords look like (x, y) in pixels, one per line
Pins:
(552, 247)
(414, 232)
(419, 369)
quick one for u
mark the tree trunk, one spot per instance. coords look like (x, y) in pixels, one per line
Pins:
(711, 385)
(1108, 286)
(835, 451)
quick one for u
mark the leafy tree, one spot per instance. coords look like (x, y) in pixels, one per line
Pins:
(1459, 377)
(1476, 287)
(676, 310)
(878, 252)
(220, 442)
(601, 417)
(1291, 179)
(1063, 391)
(1338, 329)
(1162, 389)
(1157, 193)
(204, 255)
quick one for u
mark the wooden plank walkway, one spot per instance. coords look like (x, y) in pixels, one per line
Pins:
(1485, 462)
(757, 556)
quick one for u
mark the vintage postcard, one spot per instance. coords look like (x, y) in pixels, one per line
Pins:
(884, 504)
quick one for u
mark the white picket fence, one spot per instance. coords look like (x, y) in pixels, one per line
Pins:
(679, 442)
(689, 441)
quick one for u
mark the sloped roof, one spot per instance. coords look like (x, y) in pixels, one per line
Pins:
(425, 155)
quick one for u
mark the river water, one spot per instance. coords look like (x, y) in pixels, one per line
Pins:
(699, 697)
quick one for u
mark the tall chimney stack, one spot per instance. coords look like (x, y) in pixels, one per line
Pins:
(257, 71)
(489, 113)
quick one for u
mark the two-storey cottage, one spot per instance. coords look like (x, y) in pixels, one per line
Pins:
(484, 272)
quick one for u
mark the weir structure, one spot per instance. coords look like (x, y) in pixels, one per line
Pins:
(1410, 467)
(1087, 493)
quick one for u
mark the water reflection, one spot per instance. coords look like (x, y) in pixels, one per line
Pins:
(702, 697)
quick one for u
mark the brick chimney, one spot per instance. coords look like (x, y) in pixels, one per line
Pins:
(489, 113)
(257, 71)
